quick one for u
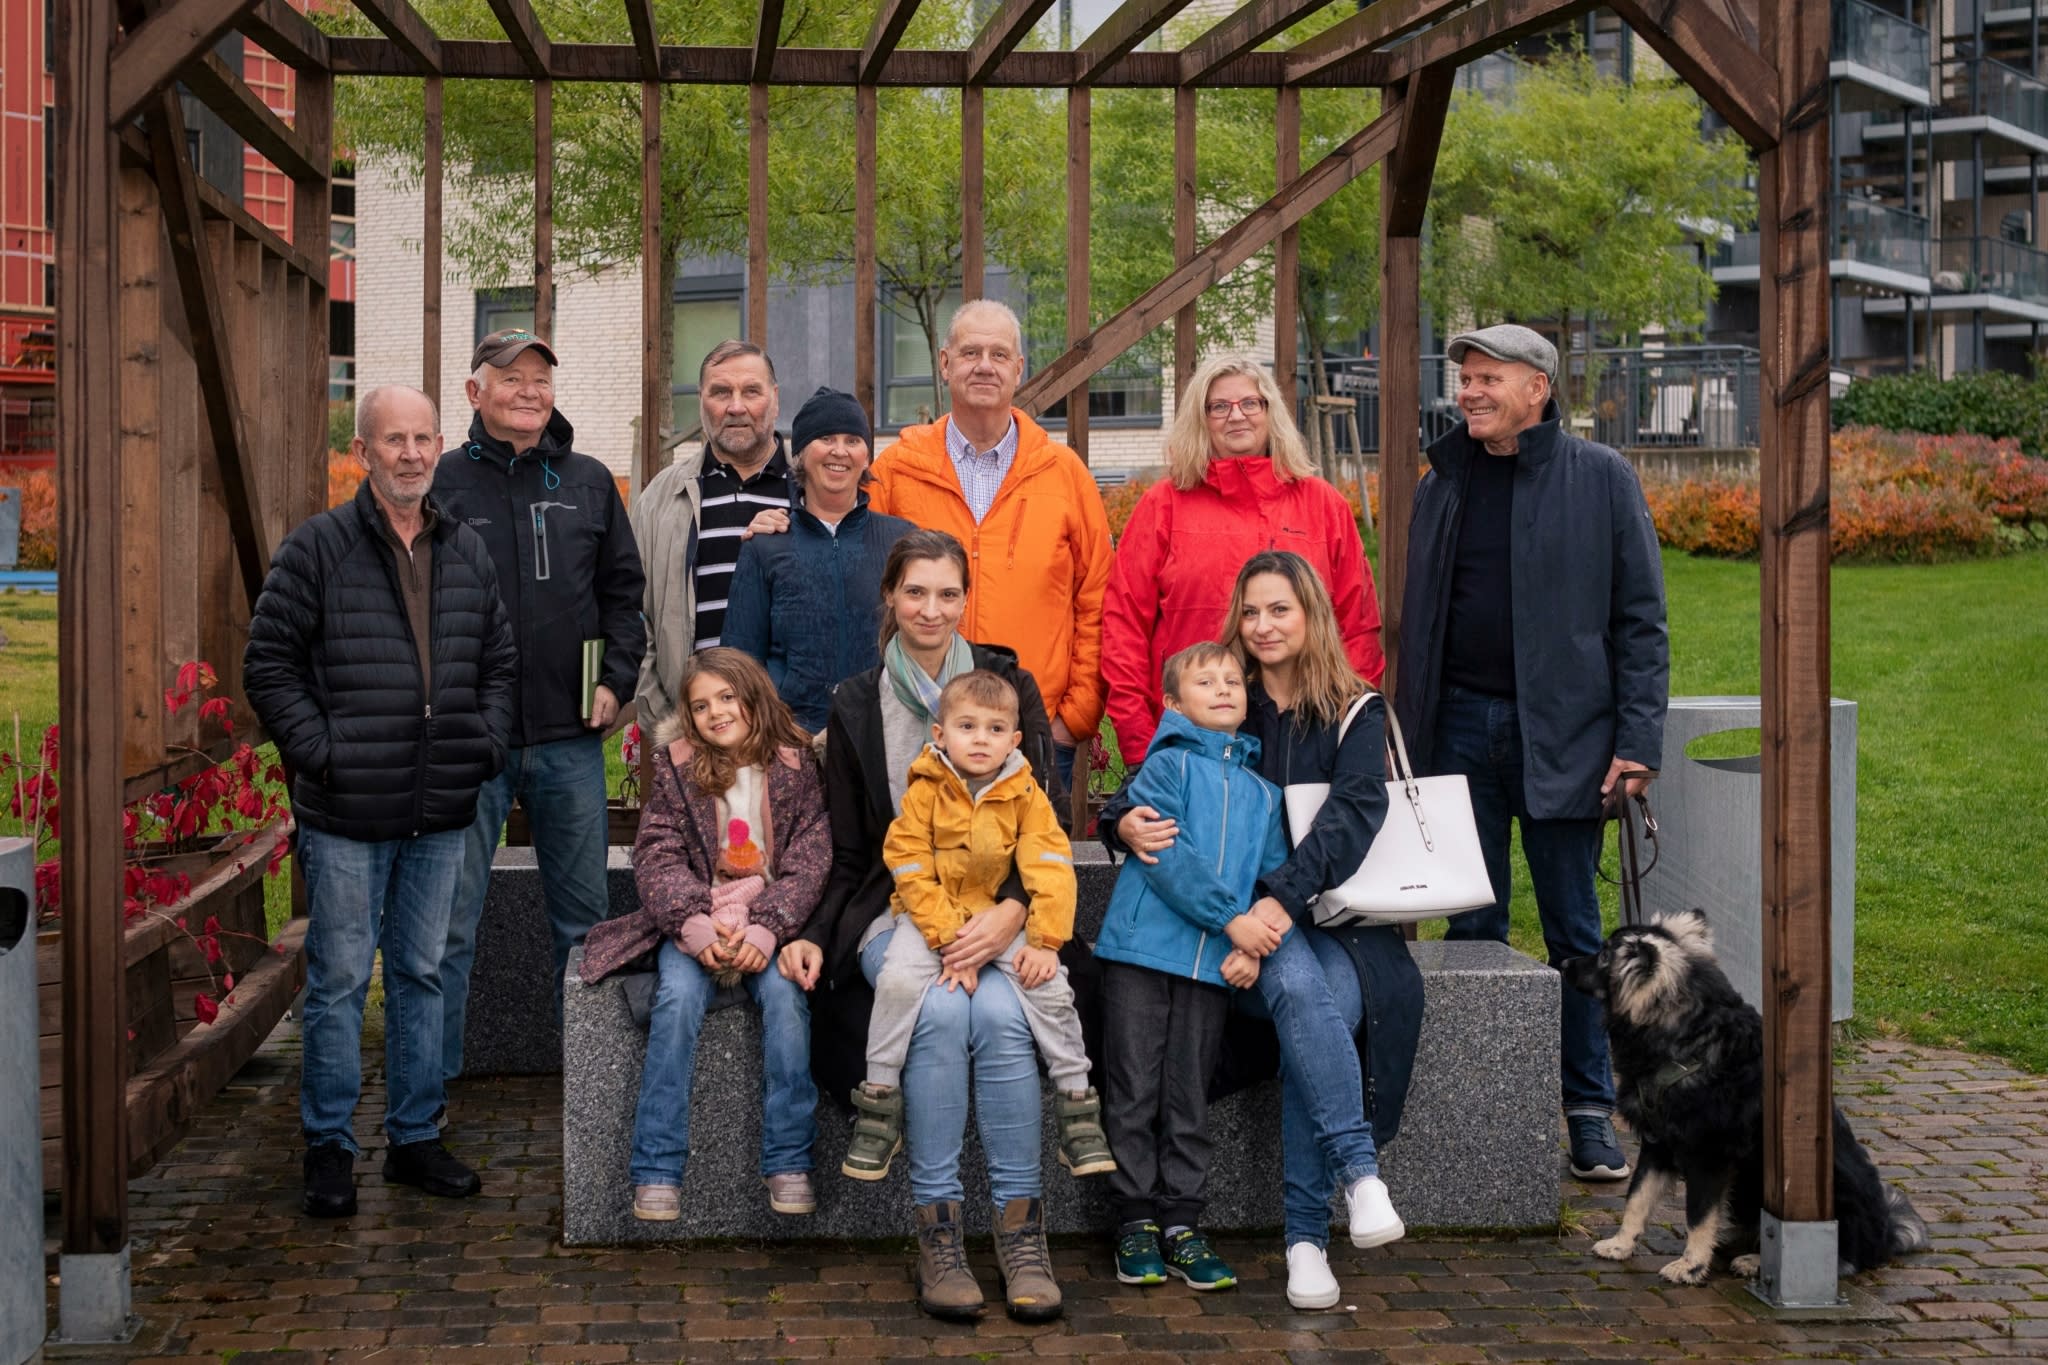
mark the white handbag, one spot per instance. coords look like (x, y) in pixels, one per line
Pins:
(1425, 862)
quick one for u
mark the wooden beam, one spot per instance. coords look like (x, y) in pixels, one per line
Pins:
(406, 32)
(1793, 297)
(1078, 319)
(285, 34)
(767, 33)
(159, 47)
(1476, 31)
(301, 355)
(646, 38)
(544, 210)
(891, 19)
(865, 115)
(1711, 56)
(244, 111)
(757, 214)
(524, 31)
(1287, 251)
(1373, 25)
(430, 243)
(1002, 32)
(973, 250)
(1185, 186)
(1253, 23)
(89, 635)
(655, 406)
(1293, 202)
(1133, 22)
(216, 206)
(1411, 166)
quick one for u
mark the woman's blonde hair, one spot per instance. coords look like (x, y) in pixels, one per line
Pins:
(1325, 683)
(1187, 440)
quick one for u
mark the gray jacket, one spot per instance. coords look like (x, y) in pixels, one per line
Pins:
(664, 521)
(1592, 660)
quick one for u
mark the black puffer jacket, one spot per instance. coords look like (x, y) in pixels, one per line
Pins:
(567, 567)
(334, 674)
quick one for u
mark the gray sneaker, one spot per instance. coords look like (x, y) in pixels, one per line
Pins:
(1596, 1151)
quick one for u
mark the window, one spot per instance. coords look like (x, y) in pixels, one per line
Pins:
(50, 286)
(49, 167)
(707, 312)
(1127, 392)
(497, 309)
(909, 394)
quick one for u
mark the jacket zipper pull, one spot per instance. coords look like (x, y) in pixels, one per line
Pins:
(430, 711)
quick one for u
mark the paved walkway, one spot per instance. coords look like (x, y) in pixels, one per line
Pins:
(226, 1268)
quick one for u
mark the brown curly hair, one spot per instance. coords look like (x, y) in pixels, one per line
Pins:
(770, 725)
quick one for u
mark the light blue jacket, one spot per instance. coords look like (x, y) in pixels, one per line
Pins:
(1169, 915)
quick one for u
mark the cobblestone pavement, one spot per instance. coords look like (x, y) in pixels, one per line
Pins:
(225, 1267)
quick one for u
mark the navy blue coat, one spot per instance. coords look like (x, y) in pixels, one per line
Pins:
(1592, 660)
(808, 604)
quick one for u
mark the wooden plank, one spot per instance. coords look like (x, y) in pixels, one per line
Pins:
(544, 209)
(1078, 319)
(1133, 22)
(313, 196)
(1793, 192)
(1710, 54)
(973, 151)
(524, 31)
(1185, 184)
(1476, 31)
(1287, 251)
(285, 34)
(215, 206)
(1373, 25)
(1294, 201)
(430, 245)
(1425, 102)
(407, 34)
(757, 213)
(865, 114)
(89, 633)
(646, 38)
(178, 496)
(655, 408)
(891, 18)
(1248, 26)
(244, 111)
(142, 583)
(159, 47)
(767, 33)
(1000, 33)
(302, 462)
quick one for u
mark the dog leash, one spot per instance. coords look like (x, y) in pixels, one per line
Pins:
(1630, 866)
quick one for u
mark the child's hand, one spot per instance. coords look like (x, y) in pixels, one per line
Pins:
(1240, 969)
(1272, 912)
(1036, 966)
(966, 978)
(713, 959)
(1252, 936)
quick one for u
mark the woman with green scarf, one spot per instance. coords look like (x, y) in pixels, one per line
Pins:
(880, 722)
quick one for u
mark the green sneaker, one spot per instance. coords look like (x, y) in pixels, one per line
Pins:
(1188, 1256)
(1084, 1147)
(1137, 1254)
(877, 1133)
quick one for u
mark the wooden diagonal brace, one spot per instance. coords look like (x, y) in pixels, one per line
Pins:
(1362, 32)
(285, 34)
(1133, 22)
(402, 24)
(891, 18)
(152, 54)
(1476, 31)
(1247, 27)
(1404, 192)
(767, 33)
(1713, 57)
(1003, 31)
(516, 17)
(222, 91)
(640, 14)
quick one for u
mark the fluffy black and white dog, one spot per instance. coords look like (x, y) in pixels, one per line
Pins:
(1688, 1075)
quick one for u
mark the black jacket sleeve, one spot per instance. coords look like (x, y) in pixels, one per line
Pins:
(856, 844)
(498, 670)
(1351, 816)
(276, 675)
(621, 586)
(1641, 645)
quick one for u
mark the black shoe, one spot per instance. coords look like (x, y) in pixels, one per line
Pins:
(428, 1165)
(330, 1181)
(441, 1119)
(1596, 1151)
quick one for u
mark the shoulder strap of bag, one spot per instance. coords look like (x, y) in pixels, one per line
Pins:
(1397, 747)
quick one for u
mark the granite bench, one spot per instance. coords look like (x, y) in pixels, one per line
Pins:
(1478, 1147)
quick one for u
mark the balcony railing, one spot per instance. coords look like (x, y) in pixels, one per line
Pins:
(1992, 265)
(1744, 249)
(1980, 87)
(1880, 235)
(1882, 41)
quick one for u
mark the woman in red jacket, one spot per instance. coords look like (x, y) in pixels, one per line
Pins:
(1238, 482)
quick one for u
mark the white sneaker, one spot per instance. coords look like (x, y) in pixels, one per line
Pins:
(1309, 1281)
(1373, 1220)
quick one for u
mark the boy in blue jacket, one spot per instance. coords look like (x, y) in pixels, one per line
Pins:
(1171, 925)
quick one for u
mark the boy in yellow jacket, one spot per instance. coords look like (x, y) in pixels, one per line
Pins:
(972, 812)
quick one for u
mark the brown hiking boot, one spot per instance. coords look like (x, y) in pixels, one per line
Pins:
(1025, 1263)
(945, 1286)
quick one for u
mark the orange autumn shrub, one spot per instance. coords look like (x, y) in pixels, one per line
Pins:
(38, 549)
(343, 477)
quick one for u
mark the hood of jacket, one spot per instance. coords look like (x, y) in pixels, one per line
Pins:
(1230, 747)
(1454, 449)
(1249, 477)
(556, 438)
(1012, 779)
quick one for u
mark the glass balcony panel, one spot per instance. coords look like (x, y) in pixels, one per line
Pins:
(1884, 42)
(1880, 235)
(1992, 265)
(1980, 87)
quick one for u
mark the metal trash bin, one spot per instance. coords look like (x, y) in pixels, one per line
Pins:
(21, 1136)
(1710, 839)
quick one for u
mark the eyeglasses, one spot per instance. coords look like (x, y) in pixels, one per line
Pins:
(1250, 407)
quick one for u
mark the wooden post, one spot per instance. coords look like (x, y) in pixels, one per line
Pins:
(544, 210)
(1794, 291)
(864, 339)
(430, 249)
(1184, 174)
(1287, 251)
(757, 213)
(1078, 325)
(655, 407)
(313, 230)
(973, 254)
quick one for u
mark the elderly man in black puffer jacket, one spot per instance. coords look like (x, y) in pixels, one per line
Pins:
(381, 660)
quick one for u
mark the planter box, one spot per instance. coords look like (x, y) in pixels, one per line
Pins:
(623, 825)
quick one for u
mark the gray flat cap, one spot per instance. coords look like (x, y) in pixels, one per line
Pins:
(1507, 341)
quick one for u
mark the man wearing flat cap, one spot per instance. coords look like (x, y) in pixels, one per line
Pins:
(570, 576)
(1533, 660)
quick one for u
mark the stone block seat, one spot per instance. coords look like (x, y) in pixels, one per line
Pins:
(1478, 1147)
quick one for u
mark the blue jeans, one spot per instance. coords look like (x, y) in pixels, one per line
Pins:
(1303, 989)
(560, 786)
(1063, 764)
(789, 1098)
(394, 895)
(990, 1028)
(1481, 737)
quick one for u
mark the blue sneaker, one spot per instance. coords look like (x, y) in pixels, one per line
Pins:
(1137, 1254)
(1188, 1256)
(1596, 1151)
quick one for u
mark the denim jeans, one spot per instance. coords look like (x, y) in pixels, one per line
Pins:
(393, 894)
(1481, 737)
(789, 1098)
(989, 1028)
(1324, 1132)
(560, 786)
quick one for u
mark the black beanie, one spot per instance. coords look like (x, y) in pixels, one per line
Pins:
(828, 412)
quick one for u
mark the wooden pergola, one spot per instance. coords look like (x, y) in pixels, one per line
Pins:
(191, 419)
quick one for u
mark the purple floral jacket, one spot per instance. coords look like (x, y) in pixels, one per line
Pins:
(678, 846)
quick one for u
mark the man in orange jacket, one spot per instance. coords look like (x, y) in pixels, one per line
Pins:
(1026, 508)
